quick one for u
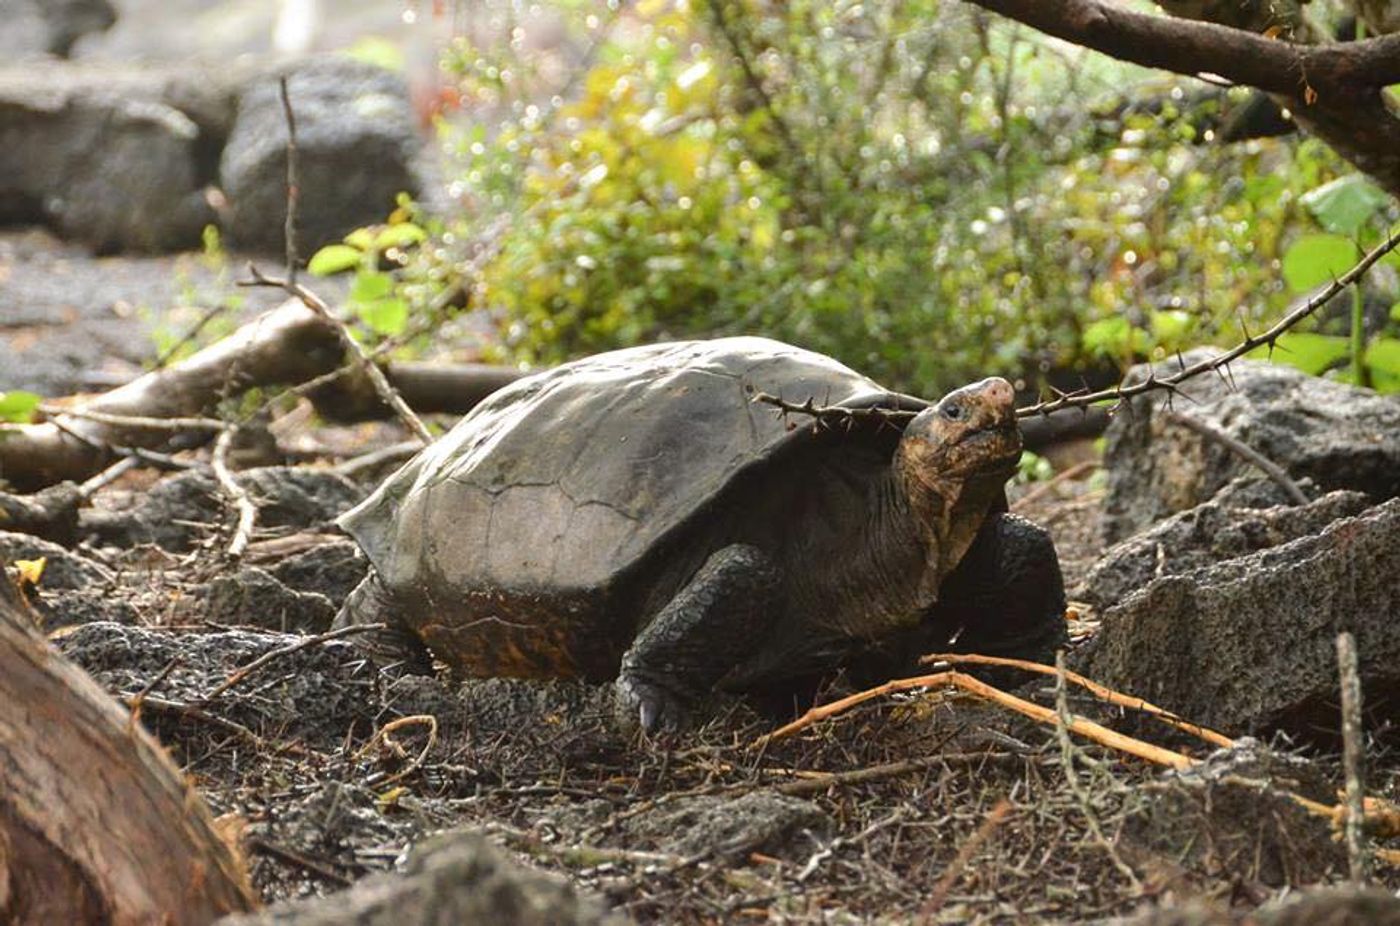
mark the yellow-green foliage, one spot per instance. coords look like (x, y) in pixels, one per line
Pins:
(919, 189)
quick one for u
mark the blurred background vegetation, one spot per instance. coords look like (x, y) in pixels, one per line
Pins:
(918, 188)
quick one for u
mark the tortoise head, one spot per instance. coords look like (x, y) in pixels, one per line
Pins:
(955, 456)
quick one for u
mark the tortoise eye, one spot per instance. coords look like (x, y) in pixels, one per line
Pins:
(953, 412)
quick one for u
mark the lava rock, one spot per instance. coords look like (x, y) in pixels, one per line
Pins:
(1249, 644)
(179, 511)
(313, 694)
(331, 569)
(72, 590)
(49, 27)
(1205, 535)
(731, 828)
(1327, 906)
(1234, 816)
(253, 597)
(103, 157)
(356, 151)
(1340, 436)
(456, 877)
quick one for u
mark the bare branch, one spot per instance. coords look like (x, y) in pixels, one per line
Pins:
(293, 184)
(1188, 47)
(1269, 337)
(242, 501)
(376, 376)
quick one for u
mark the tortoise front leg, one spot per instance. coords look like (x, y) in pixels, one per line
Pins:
(710, 625)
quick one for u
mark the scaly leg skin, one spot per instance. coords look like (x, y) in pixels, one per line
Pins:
(394, 646)
(711, 624)
(1006, 598)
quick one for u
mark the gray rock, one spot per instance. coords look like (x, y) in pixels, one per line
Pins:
(1249, 644)
(729, 827)
(1334, 906)
(1233, 817)
(72, 590)
(332, 569)
(253, 597)
(105, 157)
(63, 570)
(1205, 535)
(313, 694)
(1340, 436)
(356, 145)
(49, 27)
(177, 512)
(457, 877)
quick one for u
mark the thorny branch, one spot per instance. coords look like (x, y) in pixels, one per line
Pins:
(839, 417)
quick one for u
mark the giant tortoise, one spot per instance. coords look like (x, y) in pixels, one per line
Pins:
(635, 515)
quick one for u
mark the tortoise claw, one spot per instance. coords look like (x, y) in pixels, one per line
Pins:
(650, 706)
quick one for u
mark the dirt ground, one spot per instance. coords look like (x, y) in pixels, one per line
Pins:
(923, 806)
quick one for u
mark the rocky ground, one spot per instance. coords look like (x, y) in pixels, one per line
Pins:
(927, 805)
(1196, 582)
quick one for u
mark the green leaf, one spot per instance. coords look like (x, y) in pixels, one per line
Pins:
(18, 406)
(1395, 312)
(334, 258)
(401, 235)
(385, 316)
(1311, 353)
(362, 238)
(1383, 359)
(1346, 204)
(370, 285)
(1316, 259)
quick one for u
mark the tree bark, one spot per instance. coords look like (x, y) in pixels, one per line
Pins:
(97, 825)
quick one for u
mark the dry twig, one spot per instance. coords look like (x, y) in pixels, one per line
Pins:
(836, 416)
(1101, 692)
(381, 384)
(953, 678)
(939, 895)
(382, 736)
(1067, 760)
(1353, 756)
(243, 502)
(1045, 488)
(243, 672)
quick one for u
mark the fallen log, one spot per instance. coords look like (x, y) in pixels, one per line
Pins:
(289, 345)
(97, 825)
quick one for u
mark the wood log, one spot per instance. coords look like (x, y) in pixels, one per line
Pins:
(97, 825)
(290, 344)
(286, 346)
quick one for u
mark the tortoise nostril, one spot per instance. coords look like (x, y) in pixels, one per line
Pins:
(1000, 391)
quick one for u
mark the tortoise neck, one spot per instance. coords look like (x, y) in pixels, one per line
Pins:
(910, 525)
